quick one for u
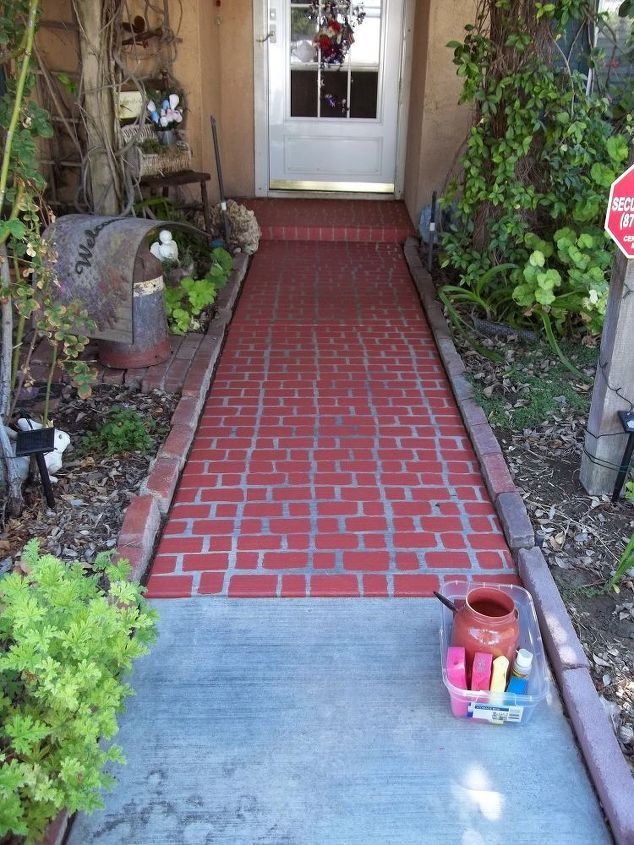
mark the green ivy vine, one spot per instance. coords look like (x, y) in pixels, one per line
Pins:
(539, 160)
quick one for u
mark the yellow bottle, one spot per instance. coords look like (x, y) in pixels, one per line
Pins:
(498, 676)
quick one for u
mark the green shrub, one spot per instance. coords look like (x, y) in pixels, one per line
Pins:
(66, 638)
(539, 160)
(123, 431)
(185, 302)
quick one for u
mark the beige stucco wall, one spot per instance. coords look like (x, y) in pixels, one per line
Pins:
(437, 125)
(214, 66)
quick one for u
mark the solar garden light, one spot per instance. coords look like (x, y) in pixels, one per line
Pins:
(38, 441)
(627, 421)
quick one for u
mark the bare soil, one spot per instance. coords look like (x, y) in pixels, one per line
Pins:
(93, 490)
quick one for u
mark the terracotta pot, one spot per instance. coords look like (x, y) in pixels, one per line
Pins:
(488, 621)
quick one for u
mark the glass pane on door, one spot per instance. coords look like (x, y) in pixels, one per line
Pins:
(322, 88)
(304, 89)
(363, 93)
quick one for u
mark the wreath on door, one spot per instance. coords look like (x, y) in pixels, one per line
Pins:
(335, 36)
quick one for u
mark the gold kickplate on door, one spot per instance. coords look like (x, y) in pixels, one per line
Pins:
(351, 187)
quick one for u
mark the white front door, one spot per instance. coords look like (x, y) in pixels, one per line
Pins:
(334, 127)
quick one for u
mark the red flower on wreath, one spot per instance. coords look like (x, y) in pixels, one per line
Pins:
(335, 35)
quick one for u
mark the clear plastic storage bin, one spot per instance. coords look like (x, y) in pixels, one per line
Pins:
(498, 707)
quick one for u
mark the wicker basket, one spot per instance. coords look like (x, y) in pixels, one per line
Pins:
(171, 159)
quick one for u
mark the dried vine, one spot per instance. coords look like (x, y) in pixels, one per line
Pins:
(112, 52)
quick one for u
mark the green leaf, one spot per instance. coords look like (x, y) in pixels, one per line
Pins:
(69, 84)
(14, 228)
(524, 295)
(223, 258)
(537, 258)
(617, 148)
(544, 296)
(602, 174)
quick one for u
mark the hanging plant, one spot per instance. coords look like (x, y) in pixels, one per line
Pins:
(335, 36)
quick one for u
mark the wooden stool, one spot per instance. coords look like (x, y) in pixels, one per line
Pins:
(183, 177)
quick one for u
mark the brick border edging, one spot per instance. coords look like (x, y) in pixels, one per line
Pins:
(146, 511)
(144, 515)
(609, 772)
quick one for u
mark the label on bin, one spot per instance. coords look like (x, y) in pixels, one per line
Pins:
(495, 713)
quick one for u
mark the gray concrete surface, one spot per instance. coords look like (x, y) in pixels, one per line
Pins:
(325, 722)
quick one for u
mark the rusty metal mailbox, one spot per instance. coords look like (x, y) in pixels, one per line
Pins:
(105, 263)
(95, 262)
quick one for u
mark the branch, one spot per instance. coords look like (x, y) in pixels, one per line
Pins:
(19, 94)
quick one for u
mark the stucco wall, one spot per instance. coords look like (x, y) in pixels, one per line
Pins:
(214, 65)
(437, 124)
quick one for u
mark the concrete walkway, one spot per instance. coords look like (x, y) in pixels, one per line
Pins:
(330, 461)
(325, 722)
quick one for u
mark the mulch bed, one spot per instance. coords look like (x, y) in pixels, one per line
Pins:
(582, 536)
(93, 490)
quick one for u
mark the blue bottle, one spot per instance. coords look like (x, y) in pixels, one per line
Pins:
(520, 672)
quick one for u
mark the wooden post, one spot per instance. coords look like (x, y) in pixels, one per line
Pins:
(613, 385)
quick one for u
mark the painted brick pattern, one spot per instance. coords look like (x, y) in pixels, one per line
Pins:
(352, 221)
(330, 459)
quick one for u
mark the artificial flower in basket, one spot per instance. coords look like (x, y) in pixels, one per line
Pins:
(166, 118)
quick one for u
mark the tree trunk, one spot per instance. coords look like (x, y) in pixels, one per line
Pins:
(98, 103)
(15, 502)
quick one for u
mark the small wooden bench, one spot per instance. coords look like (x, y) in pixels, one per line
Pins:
(183, 177)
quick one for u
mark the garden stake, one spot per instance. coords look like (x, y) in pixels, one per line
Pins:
(627, 421)
(38, 442)
(221, 187)
(432, 233)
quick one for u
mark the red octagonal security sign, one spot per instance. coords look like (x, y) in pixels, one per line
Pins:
(619, 221)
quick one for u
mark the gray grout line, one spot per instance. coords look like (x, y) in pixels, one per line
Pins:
(610, 774)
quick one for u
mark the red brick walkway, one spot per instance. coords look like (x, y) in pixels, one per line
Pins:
(330, 459)
(385, 221)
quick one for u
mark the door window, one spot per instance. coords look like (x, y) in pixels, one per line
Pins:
(320, 90)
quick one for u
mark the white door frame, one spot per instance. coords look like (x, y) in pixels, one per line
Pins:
(261, 97)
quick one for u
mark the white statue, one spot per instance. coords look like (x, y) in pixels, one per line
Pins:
(53, 460)
(165, 249)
